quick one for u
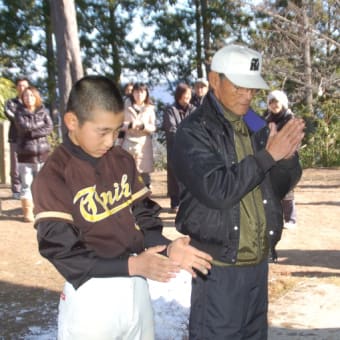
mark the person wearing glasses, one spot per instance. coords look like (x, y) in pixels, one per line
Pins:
(233, 170)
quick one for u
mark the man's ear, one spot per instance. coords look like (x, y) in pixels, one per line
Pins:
(213, 79)
(71, 121)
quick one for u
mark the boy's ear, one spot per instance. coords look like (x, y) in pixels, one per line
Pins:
(71, 121)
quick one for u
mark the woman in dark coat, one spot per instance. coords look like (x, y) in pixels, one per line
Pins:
(173, 116)
(34, 124)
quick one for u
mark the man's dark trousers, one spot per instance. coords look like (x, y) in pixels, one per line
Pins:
(230, 304)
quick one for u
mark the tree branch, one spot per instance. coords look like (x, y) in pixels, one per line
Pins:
(261, 9)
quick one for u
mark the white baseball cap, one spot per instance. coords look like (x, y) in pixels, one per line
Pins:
(202, 81)
(241, 65)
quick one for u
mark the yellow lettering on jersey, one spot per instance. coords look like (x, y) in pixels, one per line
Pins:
(90, 200)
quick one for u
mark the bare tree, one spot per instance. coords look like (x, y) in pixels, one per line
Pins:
(69, 62)
(298, 41)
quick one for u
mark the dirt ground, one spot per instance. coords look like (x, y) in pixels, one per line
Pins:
(309, 256)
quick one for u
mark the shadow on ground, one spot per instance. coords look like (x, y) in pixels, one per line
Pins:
(26, 311)
(320, 203)
(278, 333)
(14, 214)
(310, 258)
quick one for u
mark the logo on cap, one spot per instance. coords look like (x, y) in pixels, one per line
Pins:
(255, 64)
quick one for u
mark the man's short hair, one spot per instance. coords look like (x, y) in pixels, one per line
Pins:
(21, 78)
(93, 93)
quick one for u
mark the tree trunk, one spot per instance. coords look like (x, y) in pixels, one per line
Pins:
(51, 66)
(69, 63)
(117, 67)
(206, 35)
(307, 60)
(199, 61)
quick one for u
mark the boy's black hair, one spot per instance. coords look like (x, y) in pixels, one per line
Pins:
(92, 93)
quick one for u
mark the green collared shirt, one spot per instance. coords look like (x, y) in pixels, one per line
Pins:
(253, 245)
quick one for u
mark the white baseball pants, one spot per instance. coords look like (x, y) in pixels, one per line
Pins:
(106, 308)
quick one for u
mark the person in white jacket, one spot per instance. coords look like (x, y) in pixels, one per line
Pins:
(278, 113)
(139, 125)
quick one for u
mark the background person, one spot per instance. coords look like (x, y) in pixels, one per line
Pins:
(33, 124)
(98, 226)
(173, 116)
(201, 88)
(139, 125)
(233, 172)
(11, 108)
(278, 113)
(127, 90)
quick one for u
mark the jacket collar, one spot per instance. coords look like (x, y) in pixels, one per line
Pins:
(252, 120)
(78, 151)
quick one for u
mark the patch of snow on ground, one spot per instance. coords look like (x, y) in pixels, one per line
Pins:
(171, 305)
(36, 333)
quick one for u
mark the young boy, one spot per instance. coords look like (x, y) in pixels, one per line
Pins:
(97, 225)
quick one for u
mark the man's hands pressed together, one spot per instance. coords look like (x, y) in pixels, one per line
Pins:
(283, 144)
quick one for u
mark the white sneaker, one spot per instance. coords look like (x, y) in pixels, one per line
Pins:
(290, 225)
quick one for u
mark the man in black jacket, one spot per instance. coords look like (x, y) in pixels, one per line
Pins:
(11, 108)
(200, 90)
(233, 171)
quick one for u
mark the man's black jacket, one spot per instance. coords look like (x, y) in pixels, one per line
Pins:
(213, 182)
